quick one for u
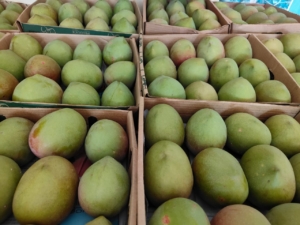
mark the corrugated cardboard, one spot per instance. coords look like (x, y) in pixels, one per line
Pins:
(259, 51)
(124, 118)
(265, 28)
(186, 110)
(25, 27)
(150, 28)
(73, 40)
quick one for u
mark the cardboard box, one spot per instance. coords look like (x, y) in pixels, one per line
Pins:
(151, 28)
(73, 41)
(25, 27)
(125, 119)
(265, 28)
(186, 110)
(259, 52)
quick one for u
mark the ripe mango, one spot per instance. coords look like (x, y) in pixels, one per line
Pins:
(46, 192)
(8, 83)
(182, 50)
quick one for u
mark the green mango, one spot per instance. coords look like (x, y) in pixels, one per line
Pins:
(123, 5)
(286, 213)
(82, 5)
(117, 49)
(12, 63)
(88, 50)
(67, 10)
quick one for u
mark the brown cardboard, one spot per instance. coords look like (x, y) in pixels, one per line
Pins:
(150, 28)
(73, 40)
(124, 118)
(259, 52)
(186, 110)
(25, 15)
(265, 28)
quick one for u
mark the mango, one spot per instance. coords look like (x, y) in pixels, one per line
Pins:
(14, 7)
(93, 13)
(274, 45)
(106, 138)
(8, 83)
(238, 7)
(209, 24)
(124, 26)
(201, 90)
(123, 5)
(257, 18)
(130, 16)
(10, 177)
(55, 4)
(161, 65)
(159, 14)
(191, 70)
(247, 11)
(184, 2)
(67, 10)
(82, 71)
(296, 61)
(44, 140)
(270, 176)
(174, 7)
(238, 90)
(200, 15)
(153, 6)
(78, 93)
(46, 192)
(104, 188)
(14, 132)
(296, 76)
(10, 15)
(97, 24)
(59, 50)
(165, 164)
(179, 211)
(231, 13)
(182, 50)
(275, 17)
(44, 9)
(286, 61)
(102, 4)
(153, 49)
(211, 49)
(177, 16)
(270, 10)
(288, 20)
(88, 50)
(254, 70)
(43, 65)
(117, 49)
(1, 8)
(123, 71)
(284, 129)
(41, 20)
(163, 122)
(117, 94)
(167, 87)
(286, 213)
(186, 22)
(222, 71)
(164, 2)
(260, 8)
(245, 131)
(272, 91)
(159, 21)
(239, 214)
(100, 220)
(71, 22)
(238, 48)
(231, 187)
(12, 63)
(289, 44)
(192, 6)
(239, 21)
(205, 129)
(294, 160)
(221, 5)
(82, 5)
(3, 20)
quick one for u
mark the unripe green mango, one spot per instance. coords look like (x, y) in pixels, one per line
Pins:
(41, 20)
(159, 13)
(163, 122)
(14, 7)
(14, 132)
(97, 24)
(88, 50)
(214, 167)
(286, 213)
(123, 5)
(12, 63)
(82, 5)
(93, 13)
(10, 15)
(106, 137)
(290, 46)
(100, 220)
(10, 175)
(130, 16)
(124, 26)
(71, 22)
(67, 10)
(272, 91)
(46, 192)
(153, 49)
(104, 188)
(179, 211)
(55, 4)
(205, 129)
(44, 9)
(103, 4)
(295, 162)
(201, 90)
(44, 138)
(174, 7)
(165, 164)
(245, 131)
(117, 49)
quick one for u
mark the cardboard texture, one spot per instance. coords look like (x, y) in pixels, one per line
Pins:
(125, 119)
(25, 27)
(186, 110)
(264, 28)
(151, 28)
(259, 52)
(73, 41)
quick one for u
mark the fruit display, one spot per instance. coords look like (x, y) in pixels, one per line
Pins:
(181, 16)
(120, 16)
(45, 187)
(9, 12)
(230, 162)
(82, 71)
(228, 67)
